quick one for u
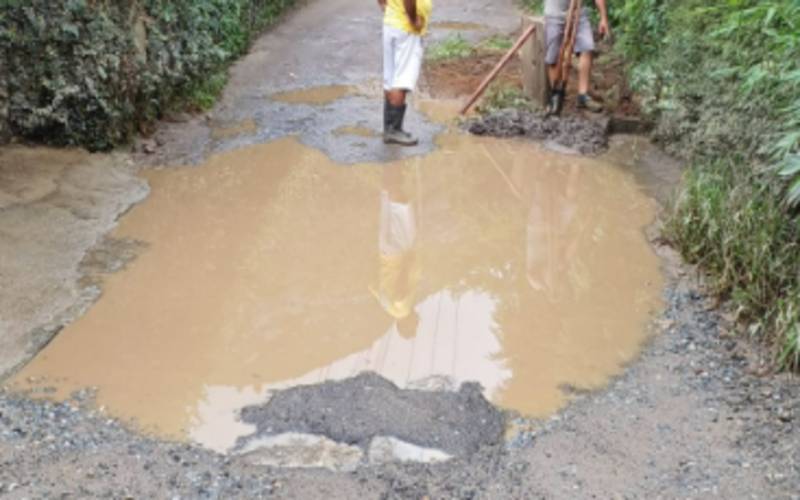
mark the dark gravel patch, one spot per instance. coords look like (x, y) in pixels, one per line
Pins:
(586, 136)
(354, 411)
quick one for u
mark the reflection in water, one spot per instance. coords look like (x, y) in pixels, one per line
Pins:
(398, 275)
(553, 262)
(270, 266)
(316, 96)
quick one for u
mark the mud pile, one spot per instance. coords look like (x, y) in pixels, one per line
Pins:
(358, 409)
(586, 136)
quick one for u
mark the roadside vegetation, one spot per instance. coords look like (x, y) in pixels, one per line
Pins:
(452, 47)
(93, 73)
(722, 81)
(457, 47)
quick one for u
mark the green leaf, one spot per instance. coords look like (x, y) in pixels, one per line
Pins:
(792, 167)
(71, 29)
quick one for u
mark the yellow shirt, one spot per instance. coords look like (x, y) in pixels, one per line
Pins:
(396, 16)
(398, 282)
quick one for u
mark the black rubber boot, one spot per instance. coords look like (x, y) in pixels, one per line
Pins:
(387, 116)
(395, 134)
(556, 102)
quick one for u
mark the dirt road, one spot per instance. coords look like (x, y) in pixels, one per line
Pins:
(250, 332)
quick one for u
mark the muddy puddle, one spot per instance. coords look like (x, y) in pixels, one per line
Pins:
(442, 111)
(315, 96)
(270, 266)
(229, 131)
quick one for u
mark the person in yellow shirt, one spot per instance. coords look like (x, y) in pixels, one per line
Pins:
(404, 24)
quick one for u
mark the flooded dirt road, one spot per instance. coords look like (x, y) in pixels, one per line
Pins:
(270, 267)
(281, 244)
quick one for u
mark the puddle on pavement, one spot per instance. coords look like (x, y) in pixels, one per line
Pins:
(315, 96)
(270, 266)
(458, 26)
(245, 127)
(357, 131)
(30, 174)
(442, 111)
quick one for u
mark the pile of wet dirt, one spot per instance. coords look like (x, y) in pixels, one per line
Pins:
(356, 410)
(583, 135)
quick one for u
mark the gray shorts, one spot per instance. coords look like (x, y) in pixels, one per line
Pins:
(554, 37)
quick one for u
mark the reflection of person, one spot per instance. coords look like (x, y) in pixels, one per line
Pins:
(552, 240)
(404, 24)
(555, 12)
(399, 270)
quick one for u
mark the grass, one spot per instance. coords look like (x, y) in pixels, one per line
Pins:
(496, 43)
(733, 223)
(503, 96)
(452, 47)
(721, 80)
(203, 96)
(535, 7)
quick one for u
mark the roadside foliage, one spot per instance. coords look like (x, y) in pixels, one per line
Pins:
(722, 81)
(90, 73)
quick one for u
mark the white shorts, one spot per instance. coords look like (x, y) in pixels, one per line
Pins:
(402, 59)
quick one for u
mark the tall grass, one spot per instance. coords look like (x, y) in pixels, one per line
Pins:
(722, 79)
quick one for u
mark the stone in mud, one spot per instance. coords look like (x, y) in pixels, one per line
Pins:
(586, 136)
(356, 410)
(302, 450)
(384, 450)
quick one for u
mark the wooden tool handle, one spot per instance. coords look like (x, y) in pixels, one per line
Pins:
(506, 58)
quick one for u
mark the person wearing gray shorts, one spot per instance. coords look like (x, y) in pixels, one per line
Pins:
(555, 14)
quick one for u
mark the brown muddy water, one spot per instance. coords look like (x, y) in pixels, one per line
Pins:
(270, 266)
(229, 131)
(315, 96)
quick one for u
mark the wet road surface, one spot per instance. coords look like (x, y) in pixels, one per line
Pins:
(270, 266)
(678, 421)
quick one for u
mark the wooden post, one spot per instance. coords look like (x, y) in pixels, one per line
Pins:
(497, 69)
(534, 69)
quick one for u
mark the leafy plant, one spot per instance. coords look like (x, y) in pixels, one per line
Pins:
(89, 73)
(452, 47)
(722, 79)
(534, 6)
(496, 43)
(500, 96)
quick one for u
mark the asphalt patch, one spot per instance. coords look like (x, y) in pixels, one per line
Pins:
(355, 410)
(586, 136)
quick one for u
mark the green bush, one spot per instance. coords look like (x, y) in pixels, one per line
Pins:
(722, 80)
(89, 73)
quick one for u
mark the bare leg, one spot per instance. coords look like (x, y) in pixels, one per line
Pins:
(396, 97)
(552, 73)
(584, 72)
